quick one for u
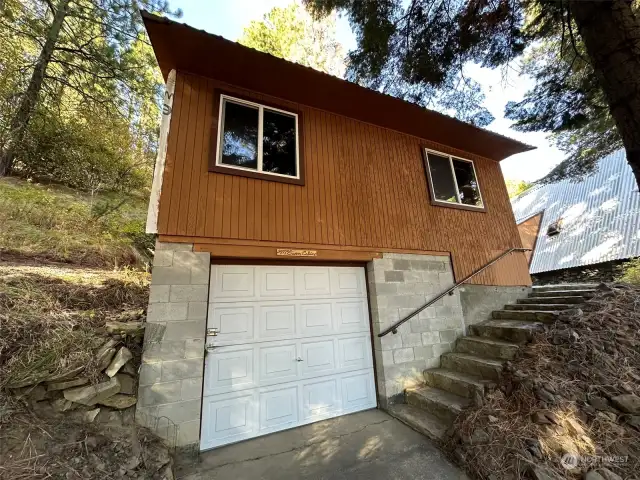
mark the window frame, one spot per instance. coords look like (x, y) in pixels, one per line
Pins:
(217, 166)
(443, 203)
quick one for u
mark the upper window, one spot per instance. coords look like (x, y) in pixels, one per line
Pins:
(453, 180)
(257, 138)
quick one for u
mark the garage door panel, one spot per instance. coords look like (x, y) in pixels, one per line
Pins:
(347, 281)
(279, 408)
(357, 391)
(278, 362)
(320, 399)
(229, 418)
(313, 281)
(229, 369)
(233, 282)
(315, 318)
(317, 357)
(277, 320)
(276, 282)
(350, 316)
(234, 323)
(354, 352)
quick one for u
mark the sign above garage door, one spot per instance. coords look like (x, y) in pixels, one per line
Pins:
(292, 347)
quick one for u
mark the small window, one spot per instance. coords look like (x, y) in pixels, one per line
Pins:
(453, 180)
(257, 138)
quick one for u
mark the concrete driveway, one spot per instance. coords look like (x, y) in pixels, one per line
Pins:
(365, 445)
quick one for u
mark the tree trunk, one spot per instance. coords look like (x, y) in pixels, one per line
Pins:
(611, 34)
(20, 121)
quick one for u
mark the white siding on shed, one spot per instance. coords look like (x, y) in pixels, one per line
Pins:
(600, 217)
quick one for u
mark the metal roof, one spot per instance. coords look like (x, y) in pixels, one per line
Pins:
(600, 217)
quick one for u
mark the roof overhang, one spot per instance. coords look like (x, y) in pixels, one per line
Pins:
(184, 48)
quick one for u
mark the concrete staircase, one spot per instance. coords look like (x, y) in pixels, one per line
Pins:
(473, 368)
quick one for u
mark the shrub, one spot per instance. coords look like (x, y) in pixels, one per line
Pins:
(631, 272)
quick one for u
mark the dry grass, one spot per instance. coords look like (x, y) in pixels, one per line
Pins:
(39, 448)
(52, 319)
(53, 223)
(581, 357)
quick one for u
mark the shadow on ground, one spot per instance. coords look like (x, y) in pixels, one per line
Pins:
(367, 445)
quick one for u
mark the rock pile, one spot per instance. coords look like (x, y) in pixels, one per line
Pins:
(108, 398)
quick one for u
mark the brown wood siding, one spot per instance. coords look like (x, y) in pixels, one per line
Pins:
(365, 187)
(529, 230)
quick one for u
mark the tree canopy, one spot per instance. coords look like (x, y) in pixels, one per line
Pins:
(585, 57)
(79, 92)
(292, 34)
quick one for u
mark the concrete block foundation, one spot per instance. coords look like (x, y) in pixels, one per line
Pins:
(398, 284)
(172, 370)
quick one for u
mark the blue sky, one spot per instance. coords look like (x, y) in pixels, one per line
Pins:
(229, 17)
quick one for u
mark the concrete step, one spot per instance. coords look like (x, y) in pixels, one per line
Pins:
(458, 383)
(421, 421)
(508, 330)
(564, 286)
(563, 293)
(547, 300)
(540, 306)
(533, 315)
(487, 347)
(487, 368)
(444, 405)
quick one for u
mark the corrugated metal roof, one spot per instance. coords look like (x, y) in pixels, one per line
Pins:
(600, 217)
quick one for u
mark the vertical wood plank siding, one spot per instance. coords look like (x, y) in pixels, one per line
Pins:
(529, 231)
(365, 186)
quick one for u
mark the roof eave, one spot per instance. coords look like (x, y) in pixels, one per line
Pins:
(181, 47)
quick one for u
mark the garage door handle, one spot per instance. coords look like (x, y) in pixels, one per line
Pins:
(299, 359)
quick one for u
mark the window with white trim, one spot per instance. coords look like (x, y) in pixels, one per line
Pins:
(453, 180)
(254, 137)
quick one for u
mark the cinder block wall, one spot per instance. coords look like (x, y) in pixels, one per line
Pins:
(172, 370)
(398, 284)
(478, 301)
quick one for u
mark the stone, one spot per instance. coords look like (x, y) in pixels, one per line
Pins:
(633, 420)
(63, 385)
(35, 393)
(104, 357)
(69, 374)
(119, 401)
(122, 357)
(534, 447)
(479, 437)
(129, 369)
(63, 405)
(544, 417)
(545, 396)
(127, 383)
(92, 394)
(599, 403)
(602, 474)
(628, 403)
(90, 416)
(27, 382)
(542, 473)
(134, 329)
(493, 419)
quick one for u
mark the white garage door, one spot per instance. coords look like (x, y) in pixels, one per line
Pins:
(293, 348)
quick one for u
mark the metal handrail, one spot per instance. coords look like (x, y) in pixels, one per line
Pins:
(394, 328)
